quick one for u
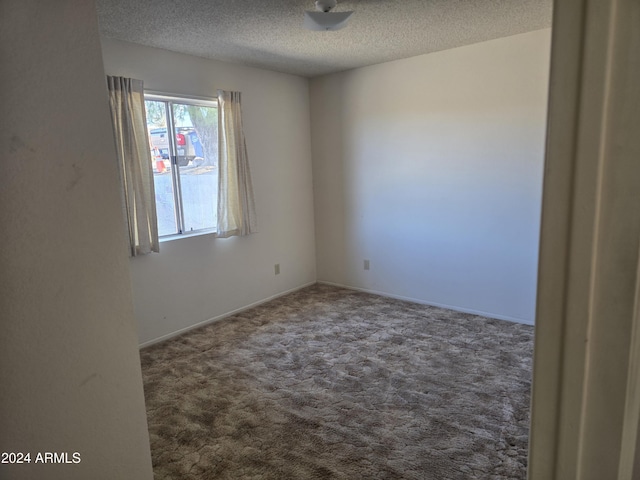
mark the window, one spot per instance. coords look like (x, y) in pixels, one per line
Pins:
(185, 162)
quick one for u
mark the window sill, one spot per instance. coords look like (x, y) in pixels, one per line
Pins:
(178, 236)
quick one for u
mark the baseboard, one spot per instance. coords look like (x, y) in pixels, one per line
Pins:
(350, 287)
(220, 317)
(432, 304)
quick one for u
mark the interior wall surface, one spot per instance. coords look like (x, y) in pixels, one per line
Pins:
(195, 279)
(70, 379)
(431, 169)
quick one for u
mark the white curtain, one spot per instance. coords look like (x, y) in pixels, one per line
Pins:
(236, 205)
(126, 99)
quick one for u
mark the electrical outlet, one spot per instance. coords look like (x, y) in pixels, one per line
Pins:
(366, 264)
(276, 268)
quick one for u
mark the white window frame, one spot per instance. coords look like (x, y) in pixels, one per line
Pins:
(175, 171)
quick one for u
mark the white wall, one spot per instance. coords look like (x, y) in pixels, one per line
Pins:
(70, 376)
(431, 168)
(195, 279)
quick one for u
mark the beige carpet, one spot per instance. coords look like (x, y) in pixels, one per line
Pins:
(329, 383)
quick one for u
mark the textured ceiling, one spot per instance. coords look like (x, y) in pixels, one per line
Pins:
(269, 33)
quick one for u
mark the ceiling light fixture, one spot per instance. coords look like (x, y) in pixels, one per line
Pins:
(324, 18)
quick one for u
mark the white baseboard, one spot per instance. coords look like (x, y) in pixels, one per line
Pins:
(432, 304)
(220, 317)
(366, 290)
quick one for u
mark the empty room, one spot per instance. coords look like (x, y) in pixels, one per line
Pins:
(317, 239)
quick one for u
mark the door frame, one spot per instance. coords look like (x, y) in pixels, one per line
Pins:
(586, 391)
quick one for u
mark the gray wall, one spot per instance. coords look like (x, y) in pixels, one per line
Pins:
(70, 376)
(431, 168)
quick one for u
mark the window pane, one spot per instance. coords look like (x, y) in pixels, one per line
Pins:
(160, 159)
(197, 158)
